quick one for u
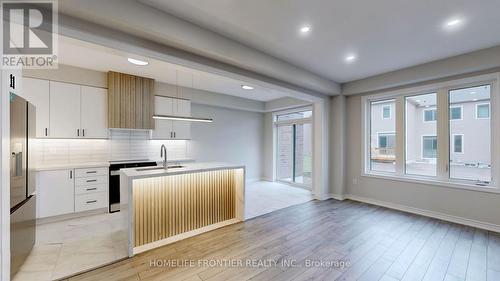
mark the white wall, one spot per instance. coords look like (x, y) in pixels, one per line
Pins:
(235, 136)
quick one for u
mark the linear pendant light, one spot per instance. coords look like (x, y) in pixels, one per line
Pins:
(182, 118)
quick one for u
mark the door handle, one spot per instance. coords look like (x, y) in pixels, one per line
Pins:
(174, 135)
(171, 135)
(78, 132)
(83, 131)
(71, 174)
(46, 132)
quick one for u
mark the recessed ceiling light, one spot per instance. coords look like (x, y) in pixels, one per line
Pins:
(137, 62)
(246, 87)
(350, 58)
(453, 23)
(305, 29)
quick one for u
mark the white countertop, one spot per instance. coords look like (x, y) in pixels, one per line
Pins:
(135, 173)
(65, 166)
(71, 166)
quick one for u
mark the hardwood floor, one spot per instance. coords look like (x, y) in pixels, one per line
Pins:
(355, 241)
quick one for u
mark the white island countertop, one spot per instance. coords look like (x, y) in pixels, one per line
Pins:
(147, 172)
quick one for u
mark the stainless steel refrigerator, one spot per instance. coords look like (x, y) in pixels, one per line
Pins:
(22, 181)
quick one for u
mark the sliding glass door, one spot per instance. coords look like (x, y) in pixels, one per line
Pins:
(294, 150)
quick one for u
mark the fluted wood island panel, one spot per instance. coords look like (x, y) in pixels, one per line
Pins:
(170, 206)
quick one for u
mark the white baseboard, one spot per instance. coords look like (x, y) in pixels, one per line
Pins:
(427, 213)
(337, 196)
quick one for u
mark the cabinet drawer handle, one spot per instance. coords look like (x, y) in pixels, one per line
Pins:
(78, 132)
(171, 135)
(83, 131)
(91, 172)
(71, 174)
(91, 180)
(91, 201)
(174, 136)
(46, 131)
(89, 189)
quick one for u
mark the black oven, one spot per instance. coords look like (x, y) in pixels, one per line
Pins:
(114, 180)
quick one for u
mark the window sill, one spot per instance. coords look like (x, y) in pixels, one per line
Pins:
(432, 182)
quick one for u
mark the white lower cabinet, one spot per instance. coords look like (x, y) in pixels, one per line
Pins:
(55, 193)
(91, 201)
(68, 191)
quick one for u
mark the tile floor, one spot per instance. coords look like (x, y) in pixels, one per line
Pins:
(263, 197)
(66, 247)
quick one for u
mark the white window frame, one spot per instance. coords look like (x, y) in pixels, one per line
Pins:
(477, 111)
(390, 111)
(422, 146)
(461, 112)
(453, 143)
(443, 158)
(429, 109)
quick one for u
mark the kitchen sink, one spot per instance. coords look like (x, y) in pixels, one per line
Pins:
(160, 168)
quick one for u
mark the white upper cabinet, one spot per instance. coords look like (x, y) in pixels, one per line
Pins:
(168, 129)
(64, 110)
(163, 128)
(182, 129)
(37, 92)
(94, 112)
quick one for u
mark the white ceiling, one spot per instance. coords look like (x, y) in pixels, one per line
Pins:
(86, 55)
(385, 34)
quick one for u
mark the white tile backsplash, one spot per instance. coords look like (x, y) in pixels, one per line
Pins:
(122, 145)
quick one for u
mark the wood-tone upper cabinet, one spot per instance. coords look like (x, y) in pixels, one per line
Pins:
(130, 101)
(64, 110)
(37, 92)
(94, 112)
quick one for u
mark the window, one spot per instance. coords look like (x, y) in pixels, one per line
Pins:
(294, 147)
(429, 147)
(420, 152)
(430, 115)
(458, 143)
(483, 111)
(383, 137)
(386, 111)
(294, 115)
(473, 163)
(446, 133)
(455, 112)
(386, 140)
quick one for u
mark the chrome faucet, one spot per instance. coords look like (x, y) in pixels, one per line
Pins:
(164, 155)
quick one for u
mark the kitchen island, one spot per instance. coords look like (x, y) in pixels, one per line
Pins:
(162, 206)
